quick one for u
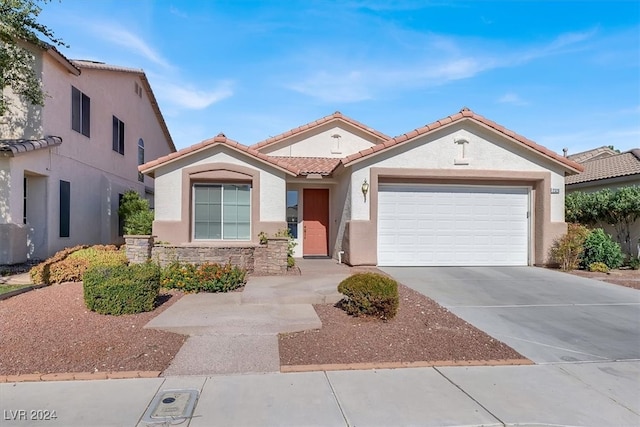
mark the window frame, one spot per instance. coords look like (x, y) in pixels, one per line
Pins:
(80, 112)
(65, 209)
(140, 158)
(222, 186)
(118, 135)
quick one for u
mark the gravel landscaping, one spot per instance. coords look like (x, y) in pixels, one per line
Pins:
(628, 278)
(49, 330)
(422, 331)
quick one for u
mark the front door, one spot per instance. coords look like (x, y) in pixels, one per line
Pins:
(315, 222)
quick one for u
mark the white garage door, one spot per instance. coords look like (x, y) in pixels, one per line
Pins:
(438, 225)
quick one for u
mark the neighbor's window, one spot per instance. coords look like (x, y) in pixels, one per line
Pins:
(80, 112)
(292, 212)
(222, 211)
(140, 158)
(118, 135)
(65, 208)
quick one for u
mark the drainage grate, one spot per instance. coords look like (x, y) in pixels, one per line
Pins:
(170, 406)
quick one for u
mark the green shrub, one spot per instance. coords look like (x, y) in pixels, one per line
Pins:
(40, 273)
(370, 294)
(633, 263)
(599, 267)
(567, 250)
(207, 277)
(122, 289)
(136, 215)
(600, 247)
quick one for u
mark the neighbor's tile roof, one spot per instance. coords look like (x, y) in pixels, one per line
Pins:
(220, 139)
(337, 116)
(618, 165)
(592, 154)
(465, 113)
(11, 147)
(94, 65)
(311, 165)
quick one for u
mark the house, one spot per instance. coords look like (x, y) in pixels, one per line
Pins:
(64, 166)
(606, 168)
(460, 191)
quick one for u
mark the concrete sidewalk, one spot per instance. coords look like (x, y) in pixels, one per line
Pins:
(237, 332)
(584, 394)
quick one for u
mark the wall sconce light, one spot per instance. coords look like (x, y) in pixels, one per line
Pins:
(365, 189)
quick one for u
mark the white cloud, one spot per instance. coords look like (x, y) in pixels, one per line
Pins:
(187, 96)
(130, 41)
(512, 98)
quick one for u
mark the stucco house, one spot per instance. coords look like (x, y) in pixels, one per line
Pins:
(460, 191)
(64, 166)
(606, 168)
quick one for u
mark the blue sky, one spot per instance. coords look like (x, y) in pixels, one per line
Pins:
(564, 74)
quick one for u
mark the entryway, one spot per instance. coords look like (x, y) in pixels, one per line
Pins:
(315, 222)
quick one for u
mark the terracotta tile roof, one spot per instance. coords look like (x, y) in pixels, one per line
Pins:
(599, 152)
(337, 116)
(93, 65)
(464, 114)
(618, 165)
(220, 139)
(311, 165)
(11, 147)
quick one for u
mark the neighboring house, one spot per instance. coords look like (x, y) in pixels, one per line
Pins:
(460, 191)
(606, 168)
(64, 166)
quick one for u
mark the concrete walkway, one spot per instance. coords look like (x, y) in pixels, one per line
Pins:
(237, 333)
(579, 394)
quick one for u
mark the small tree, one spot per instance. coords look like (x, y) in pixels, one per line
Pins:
(18, 24)
(136, 214)
(622, 211)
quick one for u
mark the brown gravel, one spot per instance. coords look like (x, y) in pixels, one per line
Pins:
(422, 331)
(49, 330)
(628, 278)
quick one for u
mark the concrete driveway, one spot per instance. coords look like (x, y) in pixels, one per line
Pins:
(546, 315)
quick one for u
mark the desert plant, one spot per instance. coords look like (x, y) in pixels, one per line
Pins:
(207, 277)
(567, 250)
(633, 263)
(600, 247)
(370, 294)
(600, 267)
(40, 273)
(122, 289)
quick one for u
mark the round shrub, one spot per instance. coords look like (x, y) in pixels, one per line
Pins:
(599, 247)
(122, 289)
(370, 294)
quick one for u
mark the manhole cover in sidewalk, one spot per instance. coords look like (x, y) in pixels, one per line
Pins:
(171, 405)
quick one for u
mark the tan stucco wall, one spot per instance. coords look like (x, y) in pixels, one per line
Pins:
(318, 142)
(97, 173)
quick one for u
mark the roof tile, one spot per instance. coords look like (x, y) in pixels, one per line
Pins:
(623, 164)
(11, 147)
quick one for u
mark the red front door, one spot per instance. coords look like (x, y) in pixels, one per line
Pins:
(315, 221)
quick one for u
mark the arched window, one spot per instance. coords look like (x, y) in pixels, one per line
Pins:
(140, 158)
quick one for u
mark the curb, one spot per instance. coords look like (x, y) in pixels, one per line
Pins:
(397, 365)
(15, 292)
(78, 376)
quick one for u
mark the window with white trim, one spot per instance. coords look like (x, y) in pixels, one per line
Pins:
(222, 211)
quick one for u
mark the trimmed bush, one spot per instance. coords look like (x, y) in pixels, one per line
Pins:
(370, 294)
(122, 289)
(567, 250)
(207, 277)
(600, 267)
(600, 247)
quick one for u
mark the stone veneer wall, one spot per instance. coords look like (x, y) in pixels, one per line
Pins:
(270, 258)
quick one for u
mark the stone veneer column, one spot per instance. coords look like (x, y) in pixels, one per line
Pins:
(138, 248)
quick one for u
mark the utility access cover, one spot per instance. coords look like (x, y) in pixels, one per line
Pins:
(171, 405)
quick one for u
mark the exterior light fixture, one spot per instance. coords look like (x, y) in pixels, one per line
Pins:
(365, 189)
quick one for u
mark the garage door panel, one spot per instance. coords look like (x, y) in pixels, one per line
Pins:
(445, 225)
